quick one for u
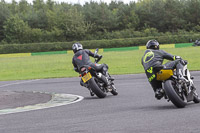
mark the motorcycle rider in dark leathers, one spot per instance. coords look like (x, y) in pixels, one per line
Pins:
(81, 58)
(152, 62)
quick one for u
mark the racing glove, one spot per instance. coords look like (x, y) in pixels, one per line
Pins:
(98, 56)
(183, 62)
(178, 58)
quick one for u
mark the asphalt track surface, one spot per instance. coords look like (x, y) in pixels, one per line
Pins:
(134, 110)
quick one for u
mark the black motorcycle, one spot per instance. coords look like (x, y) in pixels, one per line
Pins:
(196, 43)
(179, 92)
(95, 81)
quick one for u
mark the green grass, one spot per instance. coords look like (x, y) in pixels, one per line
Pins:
(56, 66)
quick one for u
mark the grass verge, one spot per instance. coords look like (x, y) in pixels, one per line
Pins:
(57, 66)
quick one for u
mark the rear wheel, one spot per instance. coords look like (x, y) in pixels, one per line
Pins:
(95, 88)
(176, 97)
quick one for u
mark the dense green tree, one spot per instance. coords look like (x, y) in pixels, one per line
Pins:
(150, 13)
(127, 17)
(13, 7)
(100, 16)
(16, 30)
(50, 4)
(173, 17)
(73, 24)
(23, 6)
(46, 20)
(192, 13)
(4, 14)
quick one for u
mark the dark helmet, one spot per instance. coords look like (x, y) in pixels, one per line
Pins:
(76, 47)
(152, 44)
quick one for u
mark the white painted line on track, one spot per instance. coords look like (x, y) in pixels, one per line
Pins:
(57, 100)
(18, 83)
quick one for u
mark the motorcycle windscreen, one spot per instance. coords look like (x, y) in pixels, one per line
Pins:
(86, 77)
(164, 74)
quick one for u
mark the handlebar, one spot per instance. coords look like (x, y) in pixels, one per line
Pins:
(96, 51)
(97, 60)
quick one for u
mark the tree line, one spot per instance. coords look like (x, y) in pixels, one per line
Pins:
(23, 22)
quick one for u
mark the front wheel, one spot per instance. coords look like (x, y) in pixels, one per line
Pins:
(195, 95)
(114, 90)
(196, 98)
(95, 88)
(176, 97)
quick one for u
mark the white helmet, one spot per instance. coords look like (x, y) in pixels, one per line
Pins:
(76, 47)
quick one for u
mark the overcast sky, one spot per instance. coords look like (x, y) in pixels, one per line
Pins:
(76, 1)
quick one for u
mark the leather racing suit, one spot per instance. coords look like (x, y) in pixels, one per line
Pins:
(82, 58)
(152, 62)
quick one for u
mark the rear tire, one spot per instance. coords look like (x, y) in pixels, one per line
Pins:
(95, 88)
(177, 100)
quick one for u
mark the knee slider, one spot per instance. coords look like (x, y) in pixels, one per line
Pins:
(105, 67)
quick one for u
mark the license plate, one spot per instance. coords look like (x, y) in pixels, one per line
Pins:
(86, 77)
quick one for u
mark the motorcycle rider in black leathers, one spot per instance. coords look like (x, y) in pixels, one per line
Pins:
(81, 58)
(152, 63)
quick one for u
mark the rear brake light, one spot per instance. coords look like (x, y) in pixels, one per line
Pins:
(83, 69)
(89, 68)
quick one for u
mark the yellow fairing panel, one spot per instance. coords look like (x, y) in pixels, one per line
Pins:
(164, 74)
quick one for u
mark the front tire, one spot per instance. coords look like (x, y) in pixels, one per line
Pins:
(114, 90)
(95, 88)
(196, 98)
(173, 94)
(195, 94)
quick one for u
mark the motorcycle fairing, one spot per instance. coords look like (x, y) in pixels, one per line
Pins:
(164, 74)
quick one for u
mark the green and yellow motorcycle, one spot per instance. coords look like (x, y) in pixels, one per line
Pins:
(176, 91)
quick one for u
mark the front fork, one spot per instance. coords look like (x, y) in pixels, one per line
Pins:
(103, 78)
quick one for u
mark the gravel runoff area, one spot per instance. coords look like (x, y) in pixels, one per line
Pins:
(14, 99)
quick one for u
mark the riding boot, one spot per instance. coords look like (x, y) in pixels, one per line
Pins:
(105, 71)
(159, 93)
(86, 86)
(91, 92)
(83, 84)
